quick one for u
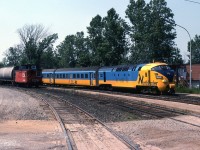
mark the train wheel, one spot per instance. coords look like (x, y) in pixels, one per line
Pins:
(138, 90)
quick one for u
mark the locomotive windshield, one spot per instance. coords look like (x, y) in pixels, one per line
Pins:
(162, 67)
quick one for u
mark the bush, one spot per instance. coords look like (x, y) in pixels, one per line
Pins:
(187, 90)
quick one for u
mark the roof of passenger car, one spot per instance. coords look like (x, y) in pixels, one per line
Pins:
(71, 69)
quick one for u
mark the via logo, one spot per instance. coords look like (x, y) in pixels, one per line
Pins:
(140, 79)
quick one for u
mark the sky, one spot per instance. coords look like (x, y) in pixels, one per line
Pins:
(67, 17)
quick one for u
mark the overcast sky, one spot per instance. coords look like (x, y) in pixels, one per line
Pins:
(70, 16)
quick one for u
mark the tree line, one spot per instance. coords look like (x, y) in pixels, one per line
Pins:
(146, 35)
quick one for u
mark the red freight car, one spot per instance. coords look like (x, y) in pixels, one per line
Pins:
(28, 75)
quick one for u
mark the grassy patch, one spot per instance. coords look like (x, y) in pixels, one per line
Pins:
(187, 90)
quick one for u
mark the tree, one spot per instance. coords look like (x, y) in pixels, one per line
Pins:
(1, 64)
(195, 47)
(108, 39)
(138, 14)
(162, 32)
(74, 51)
(176, 57)
(82, 50)
(152, 31)
(95, 31)
(35, 40)
(66, 52)
(49, 59)
(114, 46)
(13, 56)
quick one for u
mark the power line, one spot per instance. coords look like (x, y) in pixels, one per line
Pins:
(193, 1)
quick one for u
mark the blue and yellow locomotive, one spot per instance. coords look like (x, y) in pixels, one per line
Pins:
(152, 77)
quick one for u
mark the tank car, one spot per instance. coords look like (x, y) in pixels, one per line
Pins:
(7, 74)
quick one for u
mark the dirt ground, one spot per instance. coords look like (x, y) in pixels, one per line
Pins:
(31, 135)
(164, 134)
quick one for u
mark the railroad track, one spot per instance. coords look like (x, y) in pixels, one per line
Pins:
(75, 120)
(154, 111)
(175, 98)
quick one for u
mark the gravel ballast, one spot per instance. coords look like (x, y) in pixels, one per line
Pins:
(19, 106)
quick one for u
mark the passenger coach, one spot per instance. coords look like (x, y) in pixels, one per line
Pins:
(71, 76)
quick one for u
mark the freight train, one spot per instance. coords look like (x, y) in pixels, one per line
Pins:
(152, 77)
(26, 75)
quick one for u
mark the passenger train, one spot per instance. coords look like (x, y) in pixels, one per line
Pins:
(152, 77)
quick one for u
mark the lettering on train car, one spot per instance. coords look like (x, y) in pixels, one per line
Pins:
(140, 79)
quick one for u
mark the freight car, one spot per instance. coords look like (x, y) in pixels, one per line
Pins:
(151, 78)
(26, 75)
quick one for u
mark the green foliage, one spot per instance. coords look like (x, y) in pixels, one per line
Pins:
(138, 14)
(114, 44)
(73, 51)
(13, 56)
(108, 39)
(176, 57)
(195, 47)
(95, 31)
(1, 64)
(66, 52)
(82, 50)
(152, 34)
(187, 90)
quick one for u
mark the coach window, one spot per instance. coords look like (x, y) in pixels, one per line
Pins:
(139, 68)
(47, 75)
(82, 76)
(74, 76)
(86, 76)
(78, 75)
(70, 76)
(94, 75)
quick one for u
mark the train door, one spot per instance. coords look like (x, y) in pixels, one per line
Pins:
(149, 77)
(104, 76)
(51, 78)
(92, 78)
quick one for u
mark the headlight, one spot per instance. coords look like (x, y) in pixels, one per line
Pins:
(164, 81)
(159, 77)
